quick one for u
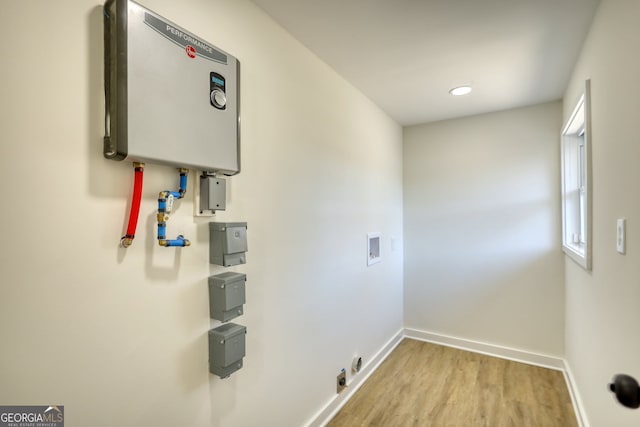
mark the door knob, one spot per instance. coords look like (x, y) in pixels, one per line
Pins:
(626, 390)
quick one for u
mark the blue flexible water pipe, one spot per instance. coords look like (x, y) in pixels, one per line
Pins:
(165, 203)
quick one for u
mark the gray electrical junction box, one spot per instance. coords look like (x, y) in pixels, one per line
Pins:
(226, 295)
(227, 243)
(213, 193)
(226, 349)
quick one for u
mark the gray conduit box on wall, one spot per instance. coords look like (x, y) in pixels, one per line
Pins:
(226, 295)
(226, 349)
(213, 194)
(227, 243)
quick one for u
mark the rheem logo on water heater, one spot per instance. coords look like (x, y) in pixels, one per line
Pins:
(163, 106)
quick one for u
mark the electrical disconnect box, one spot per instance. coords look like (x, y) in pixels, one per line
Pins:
(170, 96)
(213, 193)
(227, 243)
(226, 349)
(226, 295)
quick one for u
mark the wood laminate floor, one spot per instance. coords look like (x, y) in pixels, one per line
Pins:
(423, 384)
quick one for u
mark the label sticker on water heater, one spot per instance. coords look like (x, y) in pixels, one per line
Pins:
(184, 40)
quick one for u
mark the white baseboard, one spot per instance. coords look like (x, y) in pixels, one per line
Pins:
(502, 352)
(325, 415)
(578, 407)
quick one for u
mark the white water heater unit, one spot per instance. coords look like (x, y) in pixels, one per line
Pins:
(171, 97)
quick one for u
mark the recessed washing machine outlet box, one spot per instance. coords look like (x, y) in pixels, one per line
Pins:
(171, 97)
(374, 254)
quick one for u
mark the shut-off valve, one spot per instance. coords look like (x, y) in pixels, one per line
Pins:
(165, 206)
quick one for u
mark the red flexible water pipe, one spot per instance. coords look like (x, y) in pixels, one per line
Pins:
(127, 239)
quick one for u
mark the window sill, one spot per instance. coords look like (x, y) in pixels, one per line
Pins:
(578, 256)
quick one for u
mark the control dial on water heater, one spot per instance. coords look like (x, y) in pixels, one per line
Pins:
(217, 91)
(218, 98)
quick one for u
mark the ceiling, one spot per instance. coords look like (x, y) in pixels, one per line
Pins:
(405, 55)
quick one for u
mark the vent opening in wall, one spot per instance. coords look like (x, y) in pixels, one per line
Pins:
(374, 254)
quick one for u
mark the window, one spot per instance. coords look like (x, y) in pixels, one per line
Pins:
(576, 178)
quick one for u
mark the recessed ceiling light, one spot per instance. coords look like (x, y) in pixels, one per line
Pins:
(460, 90)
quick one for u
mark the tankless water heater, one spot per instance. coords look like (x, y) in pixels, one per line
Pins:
(171, 97)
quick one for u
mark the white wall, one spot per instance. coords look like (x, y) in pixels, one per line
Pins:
(121, 335)
(602, 305)
(482, 229)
